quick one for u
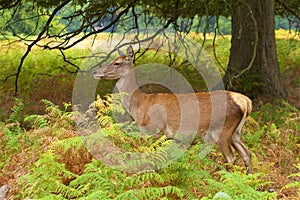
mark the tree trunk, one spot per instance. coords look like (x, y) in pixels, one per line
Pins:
(263, 77)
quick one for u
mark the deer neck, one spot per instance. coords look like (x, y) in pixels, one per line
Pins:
(128, 85)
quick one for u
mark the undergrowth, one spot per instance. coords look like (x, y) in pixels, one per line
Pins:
(58, 165)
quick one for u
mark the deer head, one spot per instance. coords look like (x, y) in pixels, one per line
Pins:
(118, 68)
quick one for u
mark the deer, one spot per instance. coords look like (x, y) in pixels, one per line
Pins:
(162, 111)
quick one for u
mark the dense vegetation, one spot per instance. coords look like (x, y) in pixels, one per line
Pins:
(42, 156)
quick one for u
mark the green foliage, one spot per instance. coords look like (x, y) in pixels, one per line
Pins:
(37, 121)
(15, 116)
(282, 23)
(43, 74)
(28, 20)
(177, 180)
(13, 131)
(295, 183)
(280, 114)
(247, 84)
(151, 193)
(54, 115)
(185, 177)
(74, 144)
(109, 107)
(279, 122)
(97, 180)
(240, 186)
(288, 50)
(46, 179)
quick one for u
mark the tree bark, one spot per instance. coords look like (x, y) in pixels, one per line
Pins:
(253, 21)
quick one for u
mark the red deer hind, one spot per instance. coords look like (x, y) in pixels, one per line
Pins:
(166, 117)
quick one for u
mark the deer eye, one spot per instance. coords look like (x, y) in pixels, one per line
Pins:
(117, 64)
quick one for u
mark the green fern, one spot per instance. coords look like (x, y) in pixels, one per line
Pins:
(294, 184)
(108, 107)
(12, 129)
(98, 178)
(136, 179)
(240, 186)
(55, 116)
(165, 170)
(37, 121)
(98, 194)
(52, 109)
(151, 193)
(154, 157)
(15, 116)
(281, 112)
(66, 144)
(46, 178)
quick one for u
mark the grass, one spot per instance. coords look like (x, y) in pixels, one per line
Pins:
(40, 147)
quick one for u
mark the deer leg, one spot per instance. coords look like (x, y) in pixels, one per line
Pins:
(241, 148)
(225, 147)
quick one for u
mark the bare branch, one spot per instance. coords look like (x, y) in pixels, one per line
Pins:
(214, 44)
(133, 42)
(69, 62)
(112, 23)
(36, 41)
(7, 77)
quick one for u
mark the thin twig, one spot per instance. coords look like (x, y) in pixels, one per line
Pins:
(7, 77)
(69, 62)
(214, 45)
(133, 42)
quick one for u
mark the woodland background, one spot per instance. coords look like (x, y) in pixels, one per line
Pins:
(41, 154)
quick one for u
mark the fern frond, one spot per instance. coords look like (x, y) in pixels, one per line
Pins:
(111, 105)
(66, 144)
(53, 196)
(67, 192)
(98, 179)
(46, 178)
(151, 193)
(98, 194)
(15, 116)
(105, 120)
(245, 186)
(52, 109)
(37, 121)
(158, 144)
(138, 179)
(295, 184)
(115, 102)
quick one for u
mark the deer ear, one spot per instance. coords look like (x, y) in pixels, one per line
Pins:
(120, 52)
(130, 52)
